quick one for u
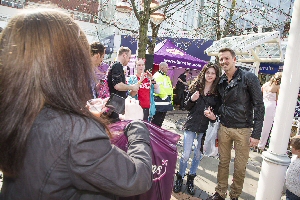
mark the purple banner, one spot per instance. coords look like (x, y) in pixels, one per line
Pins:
(173, 56)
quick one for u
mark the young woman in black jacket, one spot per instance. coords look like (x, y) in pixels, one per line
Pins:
(202, 101)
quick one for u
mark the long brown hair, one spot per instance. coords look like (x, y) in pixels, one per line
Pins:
(199, 83)
(44, 60)
(276, 79)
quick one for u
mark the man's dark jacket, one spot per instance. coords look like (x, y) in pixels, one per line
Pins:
(242, 102)
(116, 75)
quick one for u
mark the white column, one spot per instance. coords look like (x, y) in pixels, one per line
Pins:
(275, 161)
(256, 65)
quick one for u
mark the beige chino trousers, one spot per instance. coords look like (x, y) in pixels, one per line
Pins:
(241, 139)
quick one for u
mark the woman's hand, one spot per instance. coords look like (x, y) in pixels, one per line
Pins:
(209, 114)
(195, 96)
(149, 75)
(97, 106)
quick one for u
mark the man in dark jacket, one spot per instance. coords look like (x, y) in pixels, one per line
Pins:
(242, 115)
(116, 77)
(180, 87)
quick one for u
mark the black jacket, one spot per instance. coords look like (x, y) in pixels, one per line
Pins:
(196, 120)
(116, 75)
(242, 102)
(71, 157)
(180, 85)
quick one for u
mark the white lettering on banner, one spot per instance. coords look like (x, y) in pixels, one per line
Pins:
(178, 62)
(160, 170)
(266, 68)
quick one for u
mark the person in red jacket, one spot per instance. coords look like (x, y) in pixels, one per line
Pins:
(147, 87)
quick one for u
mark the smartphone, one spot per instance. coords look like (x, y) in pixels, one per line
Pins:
(117, 102)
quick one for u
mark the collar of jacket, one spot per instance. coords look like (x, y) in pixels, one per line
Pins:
(163, 73)
(236, 76)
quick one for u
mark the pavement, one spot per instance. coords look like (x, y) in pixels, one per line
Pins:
(206, 179)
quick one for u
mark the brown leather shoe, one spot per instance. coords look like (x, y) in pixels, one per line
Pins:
(216, 196)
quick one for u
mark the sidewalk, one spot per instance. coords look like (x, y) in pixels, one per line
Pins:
(206, 179)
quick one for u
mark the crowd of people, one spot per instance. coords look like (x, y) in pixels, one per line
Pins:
(48, 129)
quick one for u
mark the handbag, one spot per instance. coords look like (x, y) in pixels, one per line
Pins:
(164, 158)
(210, 148)
(163, 105)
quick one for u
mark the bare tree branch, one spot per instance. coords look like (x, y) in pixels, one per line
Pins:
(231, 12)
(169, 2)
(136, 13)
(176, 9)
(115, 25)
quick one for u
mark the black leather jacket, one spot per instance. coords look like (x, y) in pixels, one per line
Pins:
(242, 102)
(196, 120)
(71, 157)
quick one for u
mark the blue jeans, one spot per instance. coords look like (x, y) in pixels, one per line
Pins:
(188, 140)
(291, 196)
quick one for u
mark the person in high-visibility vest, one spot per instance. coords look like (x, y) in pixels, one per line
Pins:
(163, 99)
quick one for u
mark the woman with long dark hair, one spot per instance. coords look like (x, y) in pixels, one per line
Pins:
(202, 102)
(51, 146)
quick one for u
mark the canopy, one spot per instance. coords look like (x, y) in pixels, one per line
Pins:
(167, 52)
(252, 48)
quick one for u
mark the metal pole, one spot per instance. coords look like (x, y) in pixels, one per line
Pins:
(272, 175)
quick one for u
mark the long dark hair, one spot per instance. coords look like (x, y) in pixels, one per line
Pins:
(44, 60)
(199, 82)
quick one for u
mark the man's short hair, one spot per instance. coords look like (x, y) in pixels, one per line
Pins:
(227, 49)
(96, 48)
(123, 50)
(295, 142)
(162, 64)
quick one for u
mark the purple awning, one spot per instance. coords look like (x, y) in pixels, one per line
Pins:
(167, 52)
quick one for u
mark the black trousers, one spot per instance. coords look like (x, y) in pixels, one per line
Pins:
(180, 96)
(146, 113)
(159, 118)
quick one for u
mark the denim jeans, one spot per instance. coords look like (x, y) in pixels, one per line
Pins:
(291, 196)
(188, 140)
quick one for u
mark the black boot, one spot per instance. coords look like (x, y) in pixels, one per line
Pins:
(178, 183)
(190, 183)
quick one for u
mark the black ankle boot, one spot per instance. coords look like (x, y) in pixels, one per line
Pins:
(178, 183)
(190, 183)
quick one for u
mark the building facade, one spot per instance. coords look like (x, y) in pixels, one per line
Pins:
(247, 16)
